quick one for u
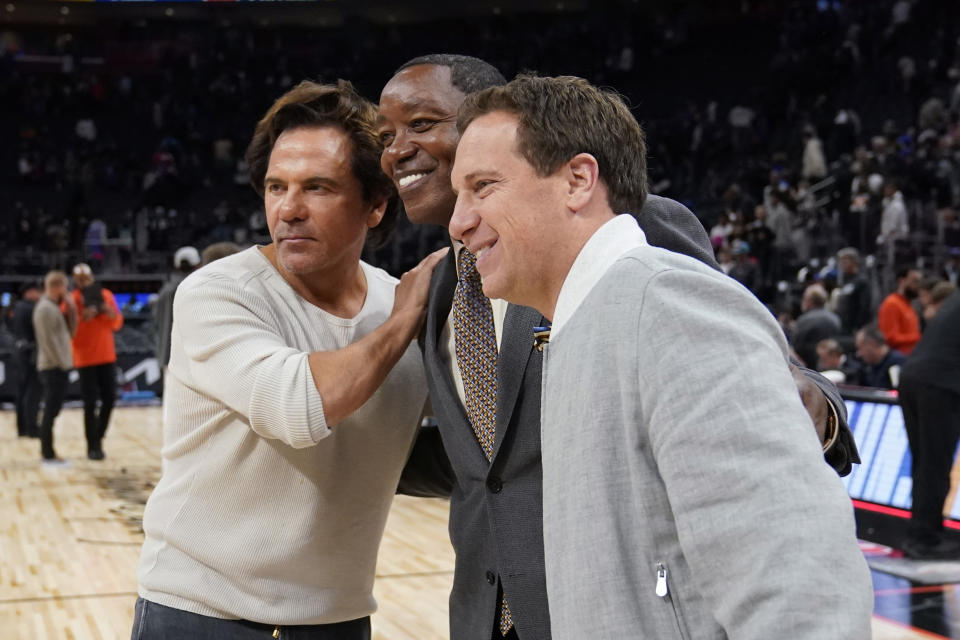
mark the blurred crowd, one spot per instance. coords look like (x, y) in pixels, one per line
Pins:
(828, 125)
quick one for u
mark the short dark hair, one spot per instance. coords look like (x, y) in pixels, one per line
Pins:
(873, 332)
(311, 104)
(468, 74)
(902, 272)
(563, 116)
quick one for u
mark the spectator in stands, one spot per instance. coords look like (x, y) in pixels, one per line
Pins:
(930, 397)
(218, 250)
(53, 328)
(760, 237)
(881, 363)
(834, 363)
(815, 324)
(95, 354)
(896, 317)
(853, 304)
(185, 260)
(25, 344)
(780, 220)
(814, 162)
(893, 220)
(938, 294)
(951, 269)
(744, 269)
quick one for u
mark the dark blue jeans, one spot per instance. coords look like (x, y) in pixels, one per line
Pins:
(154, 621)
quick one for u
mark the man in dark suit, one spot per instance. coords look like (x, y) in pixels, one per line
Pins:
(494, 480)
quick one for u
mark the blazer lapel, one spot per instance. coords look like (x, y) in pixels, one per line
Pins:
(442, 285)
(516, 347)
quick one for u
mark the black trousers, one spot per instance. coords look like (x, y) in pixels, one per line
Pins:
(28, 392)
(54, 391)
(97, 383)
(931, 416)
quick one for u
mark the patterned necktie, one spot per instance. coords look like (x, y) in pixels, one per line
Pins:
(476, 343)
(476, 346)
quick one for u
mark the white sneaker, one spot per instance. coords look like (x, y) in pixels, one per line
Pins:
(55, 463)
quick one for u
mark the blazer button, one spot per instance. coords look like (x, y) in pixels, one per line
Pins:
(494, 484)
(491, 578)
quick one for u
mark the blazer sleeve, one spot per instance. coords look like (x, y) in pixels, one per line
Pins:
(741, 466)
(843, 454)
(428, 473)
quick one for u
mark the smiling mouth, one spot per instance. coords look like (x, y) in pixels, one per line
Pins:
(411, 179)
(480, 252)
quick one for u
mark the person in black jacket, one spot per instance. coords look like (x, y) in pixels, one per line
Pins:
(930, 398)
(28, 381)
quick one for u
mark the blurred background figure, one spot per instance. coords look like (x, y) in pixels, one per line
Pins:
(95, 355)
(816, 323)
(834, 363)
(185, 261)
(54, 322)
(853, 297)
(218, 250)
(930, 398)
(896, 317)
(28, 383)
(881, 364)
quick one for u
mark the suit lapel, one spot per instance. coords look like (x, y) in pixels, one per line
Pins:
(516, 347)
(442, 285)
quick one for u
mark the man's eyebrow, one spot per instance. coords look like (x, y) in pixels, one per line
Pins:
(317, 179)
(422, 104)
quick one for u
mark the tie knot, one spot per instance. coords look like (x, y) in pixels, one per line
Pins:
(467, 267)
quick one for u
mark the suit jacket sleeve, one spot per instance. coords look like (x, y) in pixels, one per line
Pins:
(428, 473)
(843, 454)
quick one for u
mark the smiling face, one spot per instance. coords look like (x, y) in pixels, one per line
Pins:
(509, 216)
(314, 203)
(417, 126)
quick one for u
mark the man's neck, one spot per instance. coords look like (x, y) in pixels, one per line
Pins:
(340, 291)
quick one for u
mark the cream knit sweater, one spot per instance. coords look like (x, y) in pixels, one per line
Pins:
(263, 512)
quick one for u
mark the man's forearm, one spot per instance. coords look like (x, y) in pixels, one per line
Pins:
(346, 378)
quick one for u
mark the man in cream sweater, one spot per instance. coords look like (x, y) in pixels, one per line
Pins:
(292, 398)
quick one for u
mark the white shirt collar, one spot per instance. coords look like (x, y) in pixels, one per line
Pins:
(615, 238)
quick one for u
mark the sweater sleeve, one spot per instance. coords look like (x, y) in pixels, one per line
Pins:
(234, 352)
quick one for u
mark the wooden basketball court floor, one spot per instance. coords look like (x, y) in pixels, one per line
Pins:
(70, 539)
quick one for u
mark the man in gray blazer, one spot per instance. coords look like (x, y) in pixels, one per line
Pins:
(681, 498)
(495, 503)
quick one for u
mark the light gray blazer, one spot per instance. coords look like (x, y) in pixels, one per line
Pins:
(684, 490)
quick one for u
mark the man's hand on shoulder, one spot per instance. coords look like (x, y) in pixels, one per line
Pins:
(813, 401)
(410, 298)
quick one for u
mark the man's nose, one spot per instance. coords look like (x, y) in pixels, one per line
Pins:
(464, 220)
(292, 205)
(400, 148)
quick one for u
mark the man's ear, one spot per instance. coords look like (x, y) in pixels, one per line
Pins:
(583, 180)
(376, 214)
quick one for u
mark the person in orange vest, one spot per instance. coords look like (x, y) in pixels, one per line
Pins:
(94, 354)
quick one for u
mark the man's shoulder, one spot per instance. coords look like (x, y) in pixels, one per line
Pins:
(239, 268)
(647, 260)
